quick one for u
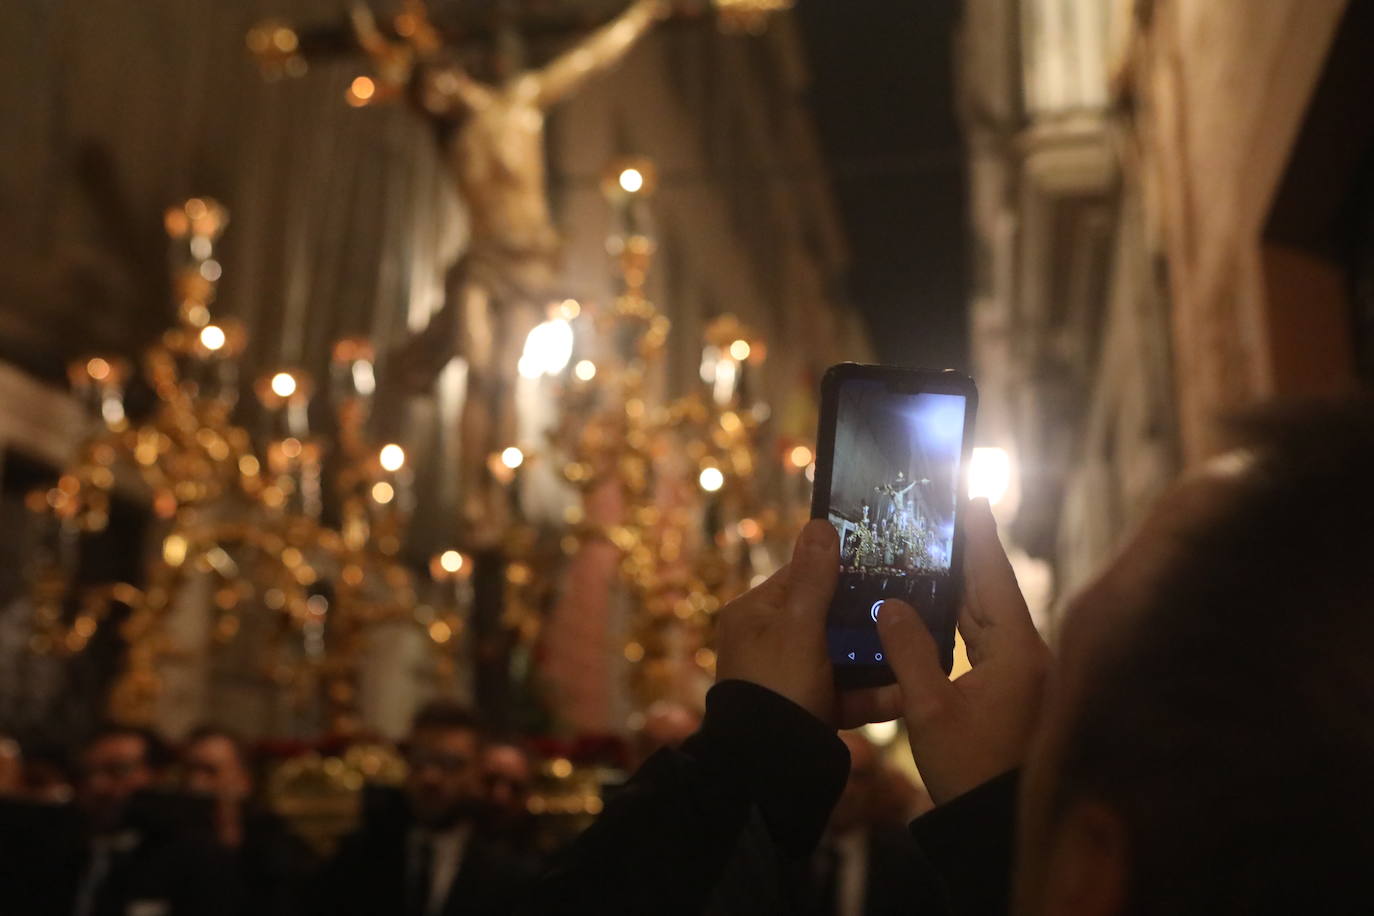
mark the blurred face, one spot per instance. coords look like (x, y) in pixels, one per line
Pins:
(1048, 858)
(11, 768)
(507, 772)
(113, 768)
(445, 781)
(213, 768)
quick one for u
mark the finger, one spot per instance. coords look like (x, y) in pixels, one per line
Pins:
(815, 570)
(860, 707)
(772, 590)
(992, 599)
(915, 660)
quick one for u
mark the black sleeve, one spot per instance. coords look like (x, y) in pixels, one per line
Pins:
(663, 841)
(967, 843)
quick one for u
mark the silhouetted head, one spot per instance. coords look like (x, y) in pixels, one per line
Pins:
(508, 774)
(1209, 733)
(117, 762)
(216, 764)
(444, 786)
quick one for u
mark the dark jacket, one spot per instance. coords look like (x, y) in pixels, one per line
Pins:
(898, 879)
(165, 862)
(762, 881)
(367, 875)
(665, 840)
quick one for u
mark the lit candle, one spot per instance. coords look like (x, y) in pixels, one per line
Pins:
(99, 382)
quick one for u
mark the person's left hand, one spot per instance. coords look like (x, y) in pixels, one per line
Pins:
(774, 634)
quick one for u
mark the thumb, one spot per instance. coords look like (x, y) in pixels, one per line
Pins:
(814, 570)
(911, 653)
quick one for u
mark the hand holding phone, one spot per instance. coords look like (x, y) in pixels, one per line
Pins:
(967, 731)
(774, 634)
(890, 477)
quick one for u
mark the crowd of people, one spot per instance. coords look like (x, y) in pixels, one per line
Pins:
(143, 828)
(1198, 744)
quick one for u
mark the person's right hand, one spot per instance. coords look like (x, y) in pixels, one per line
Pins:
(967, 731)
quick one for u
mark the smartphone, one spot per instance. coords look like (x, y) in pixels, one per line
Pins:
(891, 462)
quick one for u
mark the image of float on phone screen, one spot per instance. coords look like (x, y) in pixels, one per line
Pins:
(893, 495)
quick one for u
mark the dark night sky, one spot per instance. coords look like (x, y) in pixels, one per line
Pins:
(882, 92)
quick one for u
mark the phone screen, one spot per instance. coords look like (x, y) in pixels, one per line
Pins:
(893, 497)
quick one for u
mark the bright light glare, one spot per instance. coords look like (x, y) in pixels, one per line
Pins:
(392, 457)
(881, 733)
(512, 457)
(283, 384)
(548, 348)
(711, 479)
(740, 350)
(364, 380)
(212, 337)
(585, 370)
(383, 492)
(451, 561)
(801, 456)
(989, 474)
(723, 387)
(631, 180)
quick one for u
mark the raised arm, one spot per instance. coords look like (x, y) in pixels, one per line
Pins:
(446, 90)
(392, 59)
(598, 52)
(766, 743)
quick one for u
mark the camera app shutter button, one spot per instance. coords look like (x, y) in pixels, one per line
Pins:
(874, 610)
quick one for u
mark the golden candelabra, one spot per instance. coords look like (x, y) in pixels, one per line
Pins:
(240, 516)
(690, 527)
(244, 517)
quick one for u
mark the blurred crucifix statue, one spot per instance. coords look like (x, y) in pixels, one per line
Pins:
(492, 144)
(491, 136)
(492, 139)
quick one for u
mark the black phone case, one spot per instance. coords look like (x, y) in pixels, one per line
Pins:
(941, 618)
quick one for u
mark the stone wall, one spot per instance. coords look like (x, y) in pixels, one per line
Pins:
(1131, 287)
(1218, 91)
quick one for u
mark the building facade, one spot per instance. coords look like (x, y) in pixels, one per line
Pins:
(1170, 206)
